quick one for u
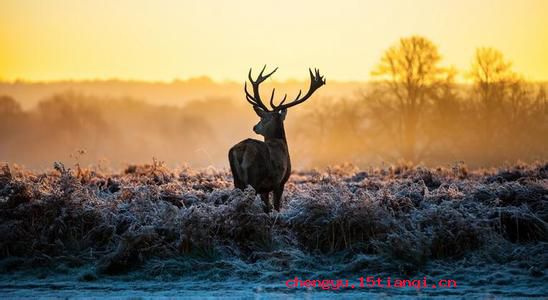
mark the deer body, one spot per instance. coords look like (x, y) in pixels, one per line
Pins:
(263, 165)
(266, 165)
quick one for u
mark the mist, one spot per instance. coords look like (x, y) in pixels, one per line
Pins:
(362, 128)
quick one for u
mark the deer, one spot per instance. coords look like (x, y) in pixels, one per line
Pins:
(266, 165)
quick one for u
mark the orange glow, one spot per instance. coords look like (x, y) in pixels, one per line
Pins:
(163, 40)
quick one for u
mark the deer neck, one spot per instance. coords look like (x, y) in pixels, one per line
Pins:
(277, 135)
(279, 153)
(277, 144)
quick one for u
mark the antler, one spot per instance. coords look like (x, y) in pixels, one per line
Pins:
(316, 81)
(255, 100)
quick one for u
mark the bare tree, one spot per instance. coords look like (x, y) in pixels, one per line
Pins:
(490, 71)
(410, 70)
(492, 75)
(494, 84)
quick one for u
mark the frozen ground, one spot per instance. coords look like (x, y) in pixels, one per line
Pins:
(151, 232)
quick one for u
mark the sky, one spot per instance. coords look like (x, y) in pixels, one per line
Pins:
(164, 40)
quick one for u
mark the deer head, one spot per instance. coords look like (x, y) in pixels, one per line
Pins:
(271, 123)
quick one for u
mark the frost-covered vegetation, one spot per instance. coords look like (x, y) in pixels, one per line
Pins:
(396, 219)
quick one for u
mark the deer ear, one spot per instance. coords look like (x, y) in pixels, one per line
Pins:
(259, 112)
(283, 113)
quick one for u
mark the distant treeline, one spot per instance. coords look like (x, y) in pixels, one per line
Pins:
(413, 111)
(174, 93)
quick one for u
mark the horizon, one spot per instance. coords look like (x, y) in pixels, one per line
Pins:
(197, 78)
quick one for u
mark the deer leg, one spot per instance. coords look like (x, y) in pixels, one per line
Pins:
(238, 183)
(278, 197)
(235, 169)
(264, 197)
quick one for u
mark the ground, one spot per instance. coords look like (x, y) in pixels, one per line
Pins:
(485, 229)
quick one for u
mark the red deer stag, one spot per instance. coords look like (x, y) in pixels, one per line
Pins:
(266, 165)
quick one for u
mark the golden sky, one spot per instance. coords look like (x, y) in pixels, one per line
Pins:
(163, 40)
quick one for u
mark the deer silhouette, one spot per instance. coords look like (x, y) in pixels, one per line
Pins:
(266, 166)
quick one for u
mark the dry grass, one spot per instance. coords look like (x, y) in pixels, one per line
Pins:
(410, 215)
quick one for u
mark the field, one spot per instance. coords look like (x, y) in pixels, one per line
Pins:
(414, 134)
(83, 229)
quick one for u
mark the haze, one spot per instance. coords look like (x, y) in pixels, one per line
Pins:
(118, 83)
